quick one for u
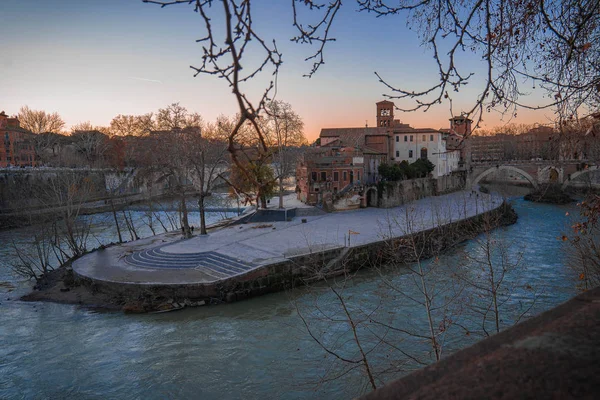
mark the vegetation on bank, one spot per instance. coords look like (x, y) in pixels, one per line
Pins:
(403, 171)
(552, 194)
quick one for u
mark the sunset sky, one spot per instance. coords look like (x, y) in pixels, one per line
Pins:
(90, 60)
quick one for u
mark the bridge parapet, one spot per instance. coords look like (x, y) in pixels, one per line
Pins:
(534, 171)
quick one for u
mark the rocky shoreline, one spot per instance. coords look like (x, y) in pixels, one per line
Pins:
(62, 286)
(551, 194)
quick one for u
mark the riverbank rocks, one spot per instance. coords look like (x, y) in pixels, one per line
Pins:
(552, 194)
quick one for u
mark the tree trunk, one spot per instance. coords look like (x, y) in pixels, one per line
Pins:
(112, 205)
(184, 217)
(281, 192)
(202, 214)
(263, 201)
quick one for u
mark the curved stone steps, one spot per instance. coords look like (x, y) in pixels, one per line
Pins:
(214, 264)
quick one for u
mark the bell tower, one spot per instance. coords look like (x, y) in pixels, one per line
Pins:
(461, 125)
(385, 113)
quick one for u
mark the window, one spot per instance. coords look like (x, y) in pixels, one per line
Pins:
(411, 138)
(358, 175)
(424, 138)
(345, 176)
(323, 176)
(410, 154)
(397, 153)
(405, 138)
(313, 176)
(336, 176)
(397, 138)
(431, 138)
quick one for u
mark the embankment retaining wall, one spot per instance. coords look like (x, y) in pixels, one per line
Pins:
(302, 269)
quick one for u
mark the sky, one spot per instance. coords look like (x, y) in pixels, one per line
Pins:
(90, 60)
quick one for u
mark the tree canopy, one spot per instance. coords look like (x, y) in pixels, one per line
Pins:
(38, 121)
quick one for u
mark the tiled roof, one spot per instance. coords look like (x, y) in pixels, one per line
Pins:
(335, 132)
(352, 136)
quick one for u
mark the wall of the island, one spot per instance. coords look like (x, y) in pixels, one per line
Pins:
(302, 269)
(394, 194)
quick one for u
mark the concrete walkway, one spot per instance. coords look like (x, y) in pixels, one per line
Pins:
(238, 249)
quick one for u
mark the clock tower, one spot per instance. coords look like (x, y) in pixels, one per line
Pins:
(385, 113)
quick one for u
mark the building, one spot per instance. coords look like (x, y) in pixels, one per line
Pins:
(392, 141)
(538, 143)
(16, 143)
(348, 159)
(458, 139)
(489, 148)
(410, 144)
(328, 170)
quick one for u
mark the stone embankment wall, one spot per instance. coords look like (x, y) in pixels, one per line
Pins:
(301, 270)
(394, 194)
(22, 189)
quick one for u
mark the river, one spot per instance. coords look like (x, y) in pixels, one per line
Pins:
(254, 349)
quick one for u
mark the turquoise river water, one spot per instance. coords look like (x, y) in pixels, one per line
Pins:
(259, 348)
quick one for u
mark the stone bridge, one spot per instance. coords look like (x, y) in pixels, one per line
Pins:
(564, 173)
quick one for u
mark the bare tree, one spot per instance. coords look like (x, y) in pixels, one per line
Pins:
(176, 116)
(166, 160)
(553, 45)
(550, 45)
(207, 158)
(225, 62)
(427, 284)
(35, 258)
(132, 125)
(69, 192)
(494, 273)
(38, 121)
(92, 144)
(285, 134)
(350, 350)
(146, 123)
(87, 126)
(48, 147)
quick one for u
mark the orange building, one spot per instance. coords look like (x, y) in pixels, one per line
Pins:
(16, 146)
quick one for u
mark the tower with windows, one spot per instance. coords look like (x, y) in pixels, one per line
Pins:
(385, 113)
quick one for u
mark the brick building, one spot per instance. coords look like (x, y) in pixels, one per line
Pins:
(540, 142)
(328, 170)
(489, 148)
(349, 158)
(394, 141)
(16, 144)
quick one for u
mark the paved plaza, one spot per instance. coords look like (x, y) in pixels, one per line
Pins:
(238, 249)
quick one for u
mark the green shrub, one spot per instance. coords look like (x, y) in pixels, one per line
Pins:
(402, 171)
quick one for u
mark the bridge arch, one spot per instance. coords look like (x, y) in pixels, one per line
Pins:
(578, 174)
(508, 168)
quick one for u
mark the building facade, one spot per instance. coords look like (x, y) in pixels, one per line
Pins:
(349, 158)
(328, 170)
(16, 144)
(538, 143)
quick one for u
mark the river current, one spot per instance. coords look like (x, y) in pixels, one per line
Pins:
(254, 349)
